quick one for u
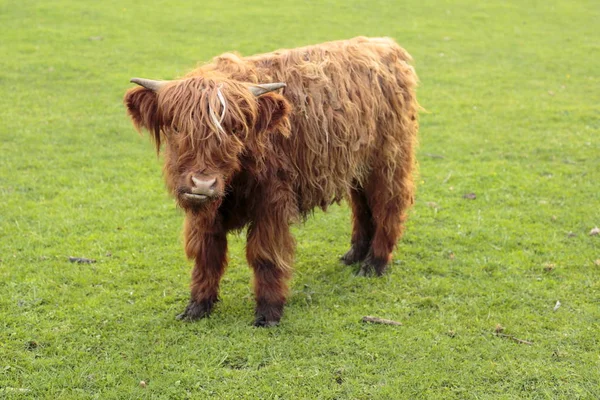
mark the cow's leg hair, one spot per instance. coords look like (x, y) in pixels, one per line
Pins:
(270, 285)
(210, 253)
(389, 194)
(362, 227)
(269, 251)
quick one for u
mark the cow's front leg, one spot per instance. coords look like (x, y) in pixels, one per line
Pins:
(270, 250)
(209, 251)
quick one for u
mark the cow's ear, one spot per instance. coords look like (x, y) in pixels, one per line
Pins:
(142, 107)
(273, 114)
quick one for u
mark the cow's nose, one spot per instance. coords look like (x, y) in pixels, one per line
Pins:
(204, 187)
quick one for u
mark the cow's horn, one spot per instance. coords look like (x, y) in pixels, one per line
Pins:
(149, 83)
(258, 90)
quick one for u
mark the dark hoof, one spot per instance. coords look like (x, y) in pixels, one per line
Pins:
(372, 266)
(365, 270)
(196, 310)
(263, 323)
(267, 315)
(355, 255)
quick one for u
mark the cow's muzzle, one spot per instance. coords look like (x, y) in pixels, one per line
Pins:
(202, 189)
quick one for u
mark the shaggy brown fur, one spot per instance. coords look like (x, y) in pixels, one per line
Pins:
(344, 126)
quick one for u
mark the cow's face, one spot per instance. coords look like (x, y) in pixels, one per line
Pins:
(207, 126)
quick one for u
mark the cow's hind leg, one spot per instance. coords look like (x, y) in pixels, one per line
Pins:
(389, 193)
(362, 227)
(209, 250)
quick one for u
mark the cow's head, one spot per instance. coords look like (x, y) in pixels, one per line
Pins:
(207, 127)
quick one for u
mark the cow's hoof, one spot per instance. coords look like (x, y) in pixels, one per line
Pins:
(364, 270)
(263, 323)
(372, 266)
(355, 255)
(196, 310)
(268, 314)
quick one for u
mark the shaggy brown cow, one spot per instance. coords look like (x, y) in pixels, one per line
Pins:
(239, 152)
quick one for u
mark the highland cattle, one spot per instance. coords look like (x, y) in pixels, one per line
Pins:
(260, 141)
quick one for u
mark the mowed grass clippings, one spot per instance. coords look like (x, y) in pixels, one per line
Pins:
(508, 194)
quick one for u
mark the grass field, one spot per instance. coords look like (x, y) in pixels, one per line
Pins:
(512, 100)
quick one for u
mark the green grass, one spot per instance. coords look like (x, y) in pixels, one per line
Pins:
(512, 114)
